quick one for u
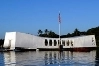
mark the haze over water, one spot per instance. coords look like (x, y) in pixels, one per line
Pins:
(49, 58)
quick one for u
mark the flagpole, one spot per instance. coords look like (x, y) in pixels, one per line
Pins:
(59, 28)
(59, 33)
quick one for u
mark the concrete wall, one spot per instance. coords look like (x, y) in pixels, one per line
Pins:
(25, 41)
(33, 42)
(89, 41)
(9, 41)
(85, 41)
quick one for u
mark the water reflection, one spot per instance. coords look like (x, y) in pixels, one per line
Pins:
(70, 58)
(1, 59)
(97, 58)
(9, 59)
(49, 58)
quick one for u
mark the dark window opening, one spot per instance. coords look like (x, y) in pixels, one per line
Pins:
(63, 42)
(50, 42)
(68, 43)
(58, 42)
(92, 40)
(71, 43)
(46, 42)
(55, 42)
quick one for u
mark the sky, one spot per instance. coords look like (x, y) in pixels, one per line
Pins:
(28, 16)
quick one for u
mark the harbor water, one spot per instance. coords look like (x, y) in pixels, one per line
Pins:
(49, 58)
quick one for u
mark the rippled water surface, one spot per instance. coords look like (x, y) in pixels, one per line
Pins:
(49, 58)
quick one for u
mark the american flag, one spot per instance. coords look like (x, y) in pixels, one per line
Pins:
(59, 18)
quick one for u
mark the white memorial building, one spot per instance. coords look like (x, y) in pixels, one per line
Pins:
(15, 40)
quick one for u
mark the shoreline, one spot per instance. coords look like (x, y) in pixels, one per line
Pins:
(81, 49)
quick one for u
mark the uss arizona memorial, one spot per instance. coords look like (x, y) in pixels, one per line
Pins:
(16, 40)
